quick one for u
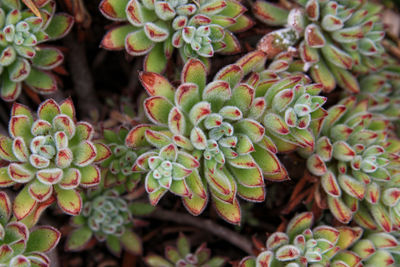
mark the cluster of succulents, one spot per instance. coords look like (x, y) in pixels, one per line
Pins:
(358, 162)
(222, 136)
(155, 28)
(22, 58)
(333, 38)
(118, 167)
(325, 246)
(208, 140)
(51, 154)
(21, 247)
(105, 216)
(182, 256)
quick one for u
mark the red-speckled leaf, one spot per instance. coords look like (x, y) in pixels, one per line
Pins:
(69, 201)
(217, 92)
(348, 236)
(381, 258)
(352, 186)
(299, 223)
(339, 209)
(155, 196)
(330, 185)
(10, 91)
(253, 194)
(157, 109)
(5, 208)
(18, 173)
(39, 191)
(155, 260)
(19, 126)
(113, 9)
(321, 74)
(195, 72)
(195, 205)
(84, 153)
(19, 70)
(343, 152)
(267, 161)
(114, 39)
(90, 176)
(136, 137)
(270, 14)
(314, 37)
(316, 165)
(252, 61)
(41, 82)
(23, 204)
(176, 121)
(287, 253)
(276, 124)
(48, 58)
(71, 179)
(137, 43)
(381, 216)
(60, 25)
(232, 44)
(337, 57)
(67, 108)
(5, 180)
(348, 34)
(157, 85)
(157, 139)
(6, 151)
(229, 212)
(346, 80)
(103, 152)
(43, 239)
(277, 240)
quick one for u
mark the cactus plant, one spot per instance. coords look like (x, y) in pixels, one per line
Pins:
(107, 217)
(334, 38)
(20, 246)
(358, 162)
(155, 28)
(51, 154)
(325, 246)
(119, 164)
(182, 256)
(22, 58)
(211, 137)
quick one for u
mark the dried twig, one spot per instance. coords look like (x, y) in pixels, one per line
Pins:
(206, 224)
(81, 77)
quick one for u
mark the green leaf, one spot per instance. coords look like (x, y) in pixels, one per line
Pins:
(139, 208)
(78, 239)
(131, 242)
(229, 212)
(60, 25)
(270, 14)
(156, 60)
(43, 239)
(114, 39)
(41, 82)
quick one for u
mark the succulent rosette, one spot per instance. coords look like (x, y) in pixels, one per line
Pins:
(51, 154)
(209, 137)
(118, 167)
(20, 246)
(325, 246)
(155, 28)
(359, 165)
(182, 256)
(105, 216)
(22, 58)
(382, 89)
(334, 38)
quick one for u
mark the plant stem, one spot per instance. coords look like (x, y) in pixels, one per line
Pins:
(205, 224)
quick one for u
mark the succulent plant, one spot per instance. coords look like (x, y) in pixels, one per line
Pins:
(333, 37)
(210, 137)
(155, 28)
(107, 217)
(382, 89)
(182, 256)
(119, 165)
(358, 162)
(22, 58)
(51, 154)
(19, 246)
(325, 246)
